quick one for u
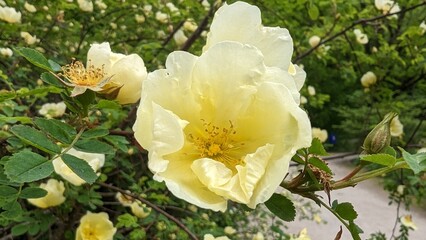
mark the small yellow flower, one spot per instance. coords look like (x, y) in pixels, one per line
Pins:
(125, 200)
(55, 194)
(52, 110)
(229, 230)
(82, 78)
(314, 41)
(408, 222)
(319, 133)
(211, 237)
(139, 209)
(10, 15)
(368, 79)
(396, 127)
(95, 226)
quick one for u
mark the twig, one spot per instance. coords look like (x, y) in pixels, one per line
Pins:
(153, 206)
(198, 31)
(361, 21)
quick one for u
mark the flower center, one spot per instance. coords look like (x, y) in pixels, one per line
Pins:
(216, 143)
(89, 234)
(79, 75)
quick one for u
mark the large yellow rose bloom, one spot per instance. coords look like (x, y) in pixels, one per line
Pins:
(222, 126)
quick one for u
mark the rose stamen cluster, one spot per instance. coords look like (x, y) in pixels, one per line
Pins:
(79, 75)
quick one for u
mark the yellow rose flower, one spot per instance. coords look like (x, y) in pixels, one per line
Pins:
(211, 237)
(314, 41)
(368, 79)
(407, 221)
(85, 5)
(127, 71)
(55, 194)
(396, 127)
(125, 200)
(139, 209)
(319, 133)
(222, 126)
(10, 15)
(95, 160)
(95, 226)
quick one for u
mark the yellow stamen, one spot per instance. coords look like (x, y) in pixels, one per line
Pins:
(80, 76)
(216, 143)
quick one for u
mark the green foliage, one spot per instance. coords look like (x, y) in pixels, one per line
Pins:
(282, 207)
(80, 167)
(34, 57)
(27, 166)
(417, 162)
(29, 141)
(35, 138)
(380, 158)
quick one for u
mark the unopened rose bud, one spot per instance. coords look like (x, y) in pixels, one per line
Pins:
(314, 41)
(380, 136)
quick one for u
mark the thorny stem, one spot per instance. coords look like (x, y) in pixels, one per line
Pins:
(396, 220)
(318, 200)
(153, 206)
(347, 183)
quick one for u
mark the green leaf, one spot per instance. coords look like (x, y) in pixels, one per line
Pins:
(108, 104)
(6, 191)
(119, 142)
(390, 151)
(50, 79)
(94, 146)
(95, 133)
(40, 91)
(13, 210)
(317, 148)
(33, 192)
(127, 220)
(313, 12)
(320, 164)
(59, 130)
(23, 120)
(19, 229)
(80, 167)
(54, 65)
(355, 230)
(380, 158)
(34, 57)
(417, 162)
(26, 166)
(86, 99)
(6, 95)
(35, 138)
(346, 211)
(282, 207)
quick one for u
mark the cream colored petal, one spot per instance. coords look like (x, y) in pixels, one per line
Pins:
(238, 22)
(129, 72)
(241, 22)
(239, 187)
(77, 91)
(278, 75)
(167, 131)
(228, 71)
(254, 170)
(99, 55)
(184, 184)
(299, 77)
(276, 45)
(282, 124)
